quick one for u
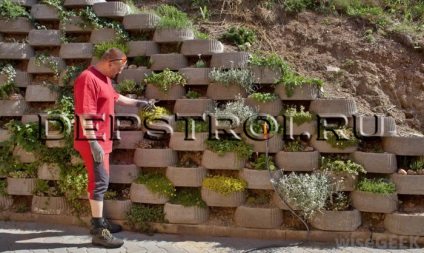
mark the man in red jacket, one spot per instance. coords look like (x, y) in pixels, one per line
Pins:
(94, 104)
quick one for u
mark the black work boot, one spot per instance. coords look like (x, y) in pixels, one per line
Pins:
(113, 228)
(102, 237)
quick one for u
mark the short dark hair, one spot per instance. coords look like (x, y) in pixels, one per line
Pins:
(113, 53)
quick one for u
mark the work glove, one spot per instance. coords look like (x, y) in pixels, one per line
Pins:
(97, 151)
(146, 105)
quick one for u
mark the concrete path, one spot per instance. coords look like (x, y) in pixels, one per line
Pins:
(41, 237)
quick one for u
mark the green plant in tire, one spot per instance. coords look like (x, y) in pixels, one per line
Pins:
(150, 116)
(200, 63)
(240, 147)
(338, 165)
(110, 195)
(23, 170)
(345, 139)
(237, 108)
(3, 188)
(129, 86)
(272, 61)
(11, 10)
(72, 72)
(73, 181)
(258, 200)
(417, 165)
(224, 185)
(291, 80)
(376, 185)
(192, 94)
(140, 217)
(234, 76)
(8, 87)
(157, 183)
(294, 146)
(288, 77)
(90, 19)
(165, 80)
(299, 115)
(261, 163)
(25, 135)
(142, 61)
(49, 61)
(199, 126)
(45, 188)
(101, 48)
(264, 97)
(188, 197)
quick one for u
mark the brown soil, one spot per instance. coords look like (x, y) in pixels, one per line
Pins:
(373, 222)
(122, 156)
(122, 191)
(385, 78)
(190, 159)
(21, 204)
(411, 204)
(41, 79)
(260, 198)
(221, 216)
(291, 222)
(39, 107)
(153, 143)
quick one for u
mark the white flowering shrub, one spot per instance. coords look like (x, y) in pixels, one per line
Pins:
(308, 192)
(237, 108)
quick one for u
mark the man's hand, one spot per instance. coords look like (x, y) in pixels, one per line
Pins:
(146, 105)
(97, 151)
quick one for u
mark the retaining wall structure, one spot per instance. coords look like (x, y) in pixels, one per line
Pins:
(249, 221)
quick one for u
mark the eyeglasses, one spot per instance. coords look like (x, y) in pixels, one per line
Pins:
(123, 61)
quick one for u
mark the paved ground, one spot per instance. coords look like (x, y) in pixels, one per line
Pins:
(39, 237)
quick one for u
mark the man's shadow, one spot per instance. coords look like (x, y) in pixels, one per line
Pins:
(42, 240)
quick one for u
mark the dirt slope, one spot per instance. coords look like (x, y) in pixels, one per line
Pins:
(384, 77)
